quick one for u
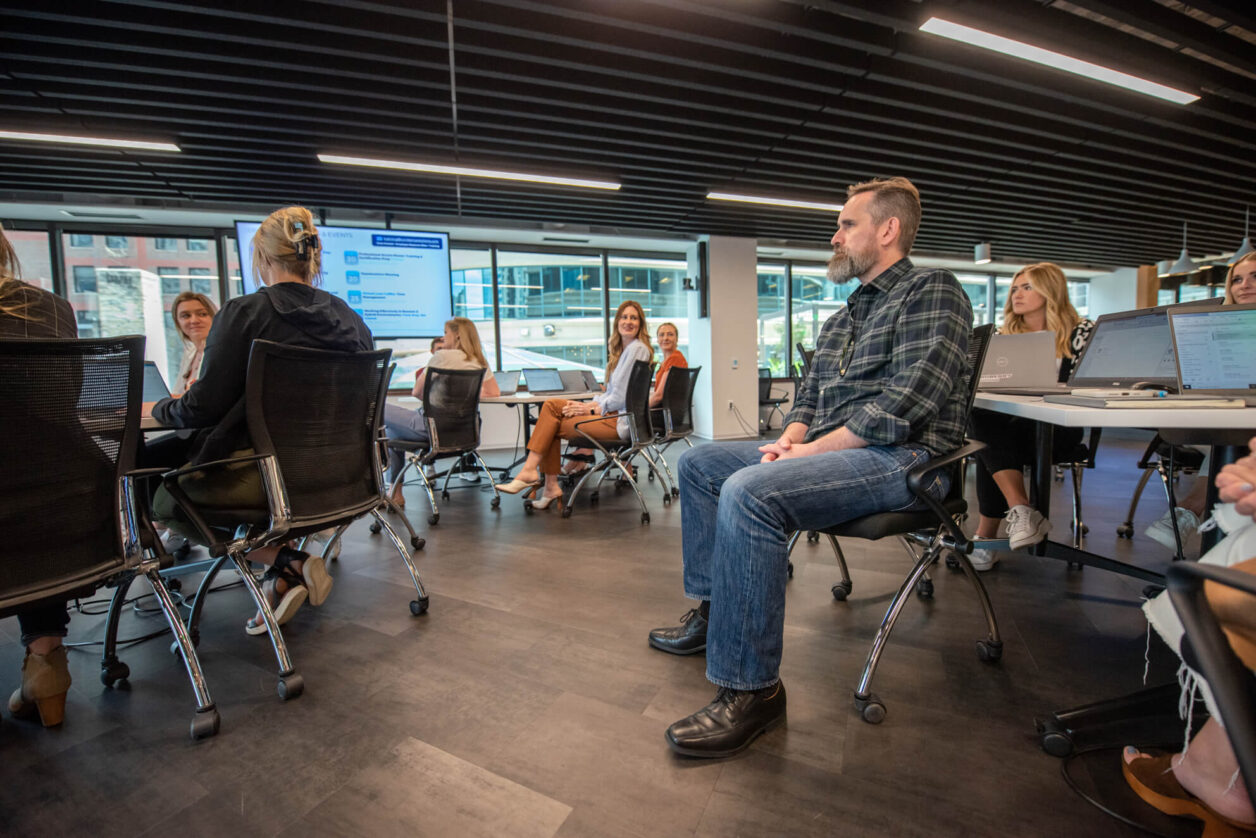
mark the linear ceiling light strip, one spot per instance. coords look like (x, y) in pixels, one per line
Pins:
(1038, 55)
(776, 202)
(104, 142)
(467, 171)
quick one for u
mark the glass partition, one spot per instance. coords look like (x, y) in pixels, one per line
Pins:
(773, 337)
(814, 299)
(658, 284)
(33, 256)
(551, 310)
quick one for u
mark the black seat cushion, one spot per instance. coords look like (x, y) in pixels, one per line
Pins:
(882, 524)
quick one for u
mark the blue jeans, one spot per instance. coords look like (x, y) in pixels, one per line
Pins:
(736, 517)
(400, 423)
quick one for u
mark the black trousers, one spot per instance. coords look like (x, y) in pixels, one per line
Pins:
(1010, 445)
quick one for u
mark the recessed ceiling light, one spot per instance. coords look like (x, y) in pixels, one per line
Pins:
(105, 142)
(777, 202)
(466, 171)
(1038, 55)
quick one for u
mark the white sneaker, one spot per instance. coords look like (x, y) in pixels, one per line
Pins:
(1161, 531)
(982, 559)
(1025, 527)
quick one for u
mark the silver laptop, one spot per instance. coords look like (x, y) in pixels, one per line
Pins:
(573, 381)
(590, 382)
(507, 381)
(1216, 351)
(1127, 350)
(155, 388)
(1021, 365)
(543, 380)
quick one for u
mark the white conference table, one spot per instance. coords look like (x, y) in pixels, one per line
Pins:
(1224, 429)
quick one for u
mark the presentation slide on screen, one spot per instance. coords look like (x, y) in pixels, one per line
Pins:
(397, 280)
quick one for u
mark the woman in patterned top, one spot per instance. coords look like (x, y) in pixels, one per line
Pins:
(1037, 301)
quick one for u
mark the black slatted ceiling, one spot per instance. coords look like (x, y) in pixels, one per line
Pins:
(673, 99)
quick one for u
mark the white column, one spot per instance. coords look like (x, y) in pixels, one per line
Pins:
(725, 344)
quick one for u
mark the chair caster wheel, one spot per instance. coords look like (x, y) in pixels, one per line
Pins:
(593, 499)
(444, 495)
(645, 517)
(205, 724)
(841, 590)
(566, 513)
(174, 584)
(417, 543)
(185, 550)
(375, 527)
(291, 686)
(434, 518)
(1053, 738)
(989, 651)
(495, 503)
(789, 570)
(952, 563)
(650, 476)
(667, 500)
(924, 589)
(813, 537)
(675, 492)
(419, 606)
(871, 709)
(1126, 530)
(113, 672)
(527, 505)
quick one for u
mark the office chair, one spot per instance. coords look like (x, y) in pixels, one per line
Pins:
(805, 355)
(315, 418)
(766, 399)
(936, 527)
(640, 435)
(672, 420)
(79, 519)
(451, 407)
(1076, 462)
(1170, 462)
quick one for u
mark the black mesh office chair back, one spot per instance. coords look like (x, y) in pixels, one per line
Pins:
(637, 403)
(451, 404)
(677, 403)
(805, 355)
(71, 517)
(324, 445)
(70, 414)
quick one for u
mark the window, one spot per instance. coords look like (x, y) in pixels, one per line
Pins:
(1079, 296)
(560, 290)
(80, 240)
(88, 324)
(813, 300)
(31, 247)
(198, 245)
(165, 244)
(199, 283)
(773, 340)
(84, 279)
(170, 284)
(128, 291)
(656, 283)
(977, 287)
(235, 288)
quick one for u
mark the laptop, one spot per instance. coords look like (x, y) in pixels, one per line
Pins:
(573, 381)
(1216, 351)
(590, 382)
(155, 388)
(1215, 372)
(507, 381)
(1021, 364)
(1128, 350)
(543, 380)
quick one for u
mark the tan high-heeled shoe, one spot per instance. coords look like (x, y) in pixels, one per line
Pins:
(515, 486)
(45, 682)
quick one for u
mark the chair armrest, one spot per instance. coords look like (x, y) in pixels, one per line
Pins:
(918, 476)
(599, 418)
(171, 482)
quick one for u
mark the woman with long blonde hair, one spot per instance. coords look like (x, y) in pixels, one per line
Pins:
(1037, 301)
(1240, 282)
(629, 343)
(460, 349)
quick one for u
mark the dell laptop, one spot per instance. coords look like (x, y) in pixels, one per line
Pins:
(1022, 364)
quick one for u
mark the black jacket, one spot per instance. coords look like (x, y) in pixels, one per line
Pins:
(288, 312)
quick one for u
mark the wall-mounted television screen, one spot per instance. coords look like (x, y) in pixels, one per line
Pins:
(397, 280)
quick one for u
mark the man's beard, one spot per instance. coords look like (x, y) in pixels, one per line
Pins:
(846, 265)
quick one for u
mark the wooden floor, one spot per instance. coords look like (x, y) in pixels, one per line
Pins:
(527, 703)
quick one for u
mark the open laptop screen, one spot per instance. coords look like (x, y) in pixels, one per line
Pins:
(155, 388)
(1216, 349)
(507, 381)
(543, 380)
(1127, 348)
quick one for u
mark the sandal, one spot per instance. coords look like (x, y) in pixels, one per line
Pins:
(1151, 778)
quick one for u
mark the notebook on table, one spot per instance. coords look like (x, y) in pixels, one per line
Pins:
(1021, 365)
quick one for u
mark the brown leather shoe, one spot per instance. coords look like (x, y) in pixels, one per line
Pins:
(45, 682)
(730, 723)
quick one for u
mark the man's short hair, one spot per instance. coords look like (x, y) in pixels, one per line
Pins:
(893, 197)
